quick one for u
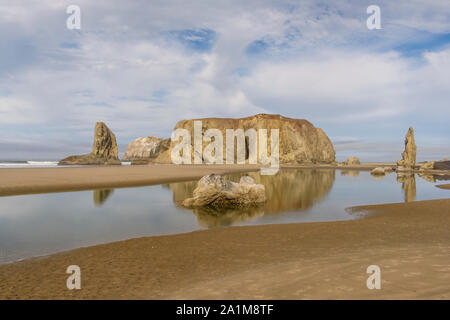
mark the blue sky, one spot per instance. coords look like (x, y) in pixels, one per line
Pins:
(141, 66)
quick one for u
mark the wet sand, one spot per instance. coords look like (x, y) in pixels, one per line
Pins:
(15, 181)
(410, 242)
(43, 180)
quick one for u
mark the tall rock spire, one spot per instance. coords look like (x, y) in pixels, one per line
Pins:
(408, 160)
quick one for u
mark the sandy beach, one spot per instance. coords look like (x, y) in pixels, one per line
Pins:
(44, 180)
(15, 181)
(409, 241)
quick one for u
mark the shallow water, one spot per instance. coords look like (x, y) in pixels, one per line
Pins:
(33, 225)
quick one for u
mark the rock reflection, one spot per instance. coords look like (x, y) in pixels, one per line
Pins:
(289, 190)
(351, 173)
(101, 195)
(408, 182)
(434, 177)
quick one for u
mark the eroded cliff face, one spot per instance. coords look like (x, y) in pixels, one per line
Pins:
(104, 149)
(142, 148)
(299, 141)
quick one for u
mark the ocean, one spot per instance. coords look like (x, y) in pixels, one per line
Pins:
(34, 164)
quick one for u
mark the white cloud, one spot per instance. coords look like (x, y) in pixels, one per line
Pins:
(318, 62)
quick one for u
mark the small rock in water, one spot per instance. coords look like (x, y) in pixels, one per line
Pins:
(214, 190)
(378, 171)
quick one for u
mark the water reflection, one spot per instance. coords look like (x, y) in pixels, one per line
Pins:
(434, 177)
(408, 182)
(101, 195)
(351, 173)
(289, 190)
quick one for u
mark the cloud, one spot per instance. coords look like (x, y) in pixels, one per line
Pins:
(141, 67)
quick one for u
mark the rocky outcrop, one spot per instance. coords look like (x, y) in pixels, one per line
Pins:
(104, 149)
(215, 191)
(160, 156)
(163, 156)
(142, 148)
(442, 165)
(299, 141)
(351, 161)
(408, 160)
(426, 166)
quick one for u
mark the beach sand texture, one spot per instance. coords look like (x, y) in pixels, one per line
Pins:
(409, 241)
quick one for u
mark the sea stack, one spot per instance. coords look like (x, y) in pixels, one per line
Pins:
(408, 160)
(299, 141)
(104, 149)
(142, 148)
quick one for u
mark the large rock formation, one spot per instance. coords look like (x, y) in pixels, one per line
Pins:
(299, 141)
(408, 160)
(142, 148)
(104, 149)
(213, 190)
(162, 155)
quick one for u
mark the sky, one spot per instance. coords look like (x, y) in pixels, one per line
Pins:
(141, 66)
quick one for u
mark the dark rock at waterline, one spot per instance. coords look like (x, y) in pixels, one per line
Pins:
(442, 165)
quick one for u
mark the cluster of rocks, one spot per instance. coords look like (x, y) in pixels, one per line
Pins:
(351, 161)
(381, 171)
(299, 141)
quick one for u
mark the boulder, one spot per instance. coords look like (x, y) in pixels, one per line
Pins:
(142, 148)
(104, 149)
(408, 160)
(215, 191)
(379, 171)
(299, 141)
